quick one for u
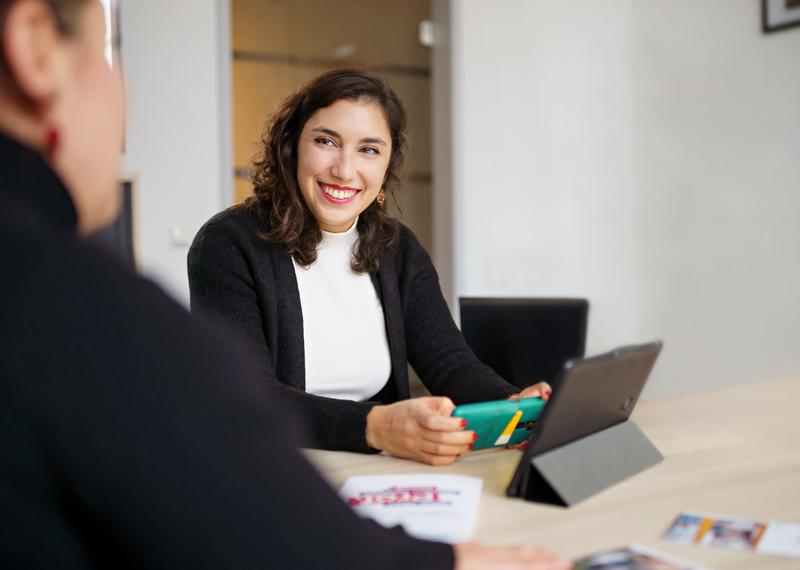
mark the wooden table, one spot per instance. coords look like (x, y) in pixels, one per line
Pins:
(730, 452)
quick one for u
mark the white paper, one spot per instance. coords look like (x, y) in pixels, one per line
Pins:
(780, 539)
(433, 507)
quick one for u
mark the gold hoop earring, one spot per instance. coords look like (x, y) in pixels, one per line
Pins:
(381, 198)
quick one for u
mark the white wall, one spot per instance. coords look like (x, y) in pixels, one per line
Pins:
(645, 155)
(718, 182)
(176, 62)
(543, 156)
(441, 148)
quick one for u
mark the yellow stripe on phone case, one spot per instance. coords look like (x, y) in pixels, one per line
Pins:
(505, 437)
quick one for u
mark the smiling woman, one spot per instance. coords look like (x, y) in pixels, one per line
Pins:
(344, 133)
(335, 297)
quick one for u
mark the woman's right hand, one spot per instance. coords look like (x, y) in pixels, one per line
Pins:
(473, 556)
(420, 429)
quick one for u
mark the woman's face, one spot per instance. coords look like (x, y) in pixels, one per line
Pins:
(342, 157)
(88, 112)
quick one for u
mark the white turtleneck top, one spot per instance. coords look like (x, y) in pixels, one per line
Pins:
(344, 332)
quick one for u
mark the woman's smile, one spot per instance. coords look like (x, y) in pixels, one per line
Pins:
(337, 194)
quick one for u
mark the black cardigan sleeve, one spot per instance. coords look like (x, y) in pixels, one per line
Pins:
(436, 348)
(222, 285)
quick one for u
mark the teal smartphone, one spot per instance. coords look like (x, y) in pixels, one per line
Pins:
(502, 422)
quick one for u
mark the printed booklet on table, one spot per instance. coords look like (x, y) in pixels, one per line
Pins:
(735, 533)
(433, 507)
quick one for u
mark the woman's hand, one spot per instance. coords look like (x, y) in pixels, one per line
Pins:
(420, 429)
(539, 390)
(473, 556)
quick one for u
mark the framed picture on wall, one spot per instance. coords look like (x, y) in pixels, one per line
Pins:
(779, 14)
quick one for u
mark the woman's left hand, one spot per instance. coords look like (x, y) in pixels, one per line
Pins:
(539, 390)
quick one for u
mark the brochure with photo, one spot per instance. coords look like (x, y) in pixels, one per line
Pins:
(735, 533)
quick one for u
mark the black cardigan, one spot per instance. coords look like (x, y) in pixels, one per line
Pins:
(250, 287)
(133, 437)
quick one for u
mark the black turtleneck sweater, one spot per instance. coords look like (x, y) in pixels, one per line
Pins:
(134, 437)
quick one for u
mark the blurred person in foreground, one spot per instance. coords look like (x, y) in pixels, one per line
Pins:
(131, 436)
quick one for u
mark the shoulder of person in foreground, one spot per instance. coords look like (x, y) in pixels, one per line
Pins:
(138, 434)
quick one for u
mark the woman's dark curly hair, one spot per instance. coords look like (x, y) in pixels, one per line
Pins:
(276, 195)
